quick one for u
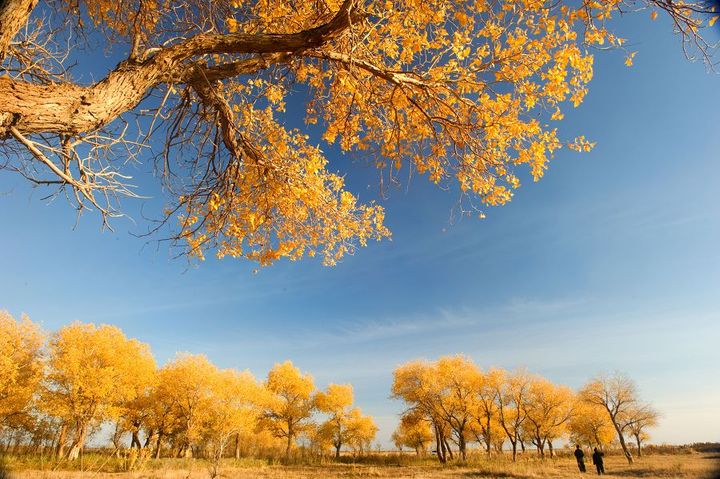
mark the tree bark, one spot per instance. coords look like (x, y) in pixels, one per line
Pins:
(67, 108)
(135, 441)
(158, 445)
(78, 442)
(637, 440)
(13, 15)
(623, 445)
(61, 441)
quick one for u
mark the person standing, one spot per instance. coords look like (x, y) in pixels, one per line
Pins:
(597, 458)
(580, 457)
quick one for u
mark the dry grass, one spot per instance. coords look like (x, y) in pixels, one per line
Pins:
(695, 466)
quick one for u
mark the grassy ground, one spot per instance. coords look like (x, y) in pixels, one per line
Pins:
(695, 466)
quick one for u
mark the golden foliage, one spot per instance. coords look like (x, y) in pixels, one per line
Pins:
(21, 366)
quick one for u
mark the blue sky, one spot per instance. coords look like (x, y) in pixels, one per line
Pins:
(612, 261)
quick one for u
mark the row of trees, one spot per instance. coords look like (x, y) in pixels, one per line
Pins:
(56, 391)
(452, 401)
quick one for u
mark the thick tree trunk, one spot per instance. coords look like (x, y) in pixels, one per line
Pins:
(514, 450)
(623, 445)
(61, 441)
(237, 446)
(78, 442)
(13, 16)
(158, 445)
(135, 441)
(550, 449)
(67, 108)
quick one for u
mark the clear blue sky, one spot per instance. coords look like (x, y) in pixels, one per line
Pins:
(612, 261)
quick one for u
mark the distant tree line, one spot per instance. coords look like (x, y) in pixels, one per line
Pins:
(57, 390)
(452, 402)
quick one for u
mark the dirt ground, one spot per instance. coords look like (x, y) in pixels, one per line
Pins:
(695, 466)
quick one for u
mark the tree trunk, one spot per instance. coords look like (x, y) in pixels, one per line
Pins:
(61, 441)
(135, 441)
(439, 445)
(637, 440)
(289, 443)
(461, 446)
(13, 16)
(623, 445)
(550, 449)
(158, 445)
(514, 449)
(78, 442)
(338, 445)
(237, 446)
(448, 451)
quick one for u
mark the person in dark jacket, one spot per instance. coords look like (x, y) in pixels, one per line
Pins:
(580, 457)
(598, 461)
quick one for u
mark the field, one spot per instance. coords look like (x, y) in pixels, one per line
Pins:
(695, 466)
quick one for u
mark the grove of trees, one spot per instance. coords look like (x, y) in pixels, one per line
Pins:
(57, 391)
(452, 402)
(466, 93)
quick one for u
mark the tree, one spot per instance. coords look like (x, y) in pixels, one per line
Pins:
(186, 386)
(361, 431)
(93, 373)
(457, 379)
(638, 420)
(234, 410)
(512, 394)
(590, 425)
(617, 395)
(547, 409)
(414, 432)
(486, 415)
(21, 366)
(290, 403)
(336, 402)
(415, 383)
(459, 91)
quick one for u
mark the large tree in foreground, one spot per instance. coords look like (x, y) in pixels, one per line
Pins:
(458, 90)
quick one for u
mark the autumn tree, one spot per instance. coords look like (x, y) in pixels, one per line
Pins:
(617, 395)
(93, 373)
(415, 383)
(512, 394)
(462, 92)
(414, 432)
(187, 386)
(487, 424)
(458, 379)
(361, 431)
(547, 407)
(344, 424)
(21, 366)
(590, 425)
(290, 403)
(638, 421)
(233, 411)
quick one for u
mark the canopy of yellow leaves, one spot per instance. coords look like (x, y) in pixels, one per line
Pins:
(456, 90)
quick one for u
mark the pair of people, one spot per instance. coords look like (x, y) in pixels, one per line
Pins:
(597, 459)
